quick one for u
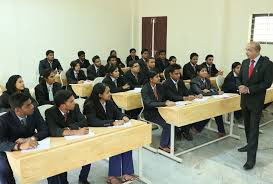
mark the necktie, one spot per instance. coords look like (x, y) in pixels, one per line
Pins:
(176, 85)
(50, 64)
(24, 121)
(65, 116)
(50, 94)
(194, 68)
(116, 83)
(155, 92)
(209, 68)
(251, 68)
(76, 76)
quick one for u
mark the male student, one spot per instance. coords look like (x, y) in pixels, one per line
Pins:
(175, 90)
(96, 69)
(132, 56)
(162, 62)
(172, 61)
(134, 77)
(49, 62)
(65, 119)
(20, 129)
(211, 68)
(144, 58)
(83, 62)
(189, 69)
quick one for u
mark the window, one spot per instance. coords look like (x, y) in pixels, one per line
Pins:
(262, 28)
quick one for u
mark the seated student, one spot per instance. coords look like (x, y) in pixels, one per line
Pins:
(101, 111)
(144, 58)
(132, 56)
(96, 69)
(83, 62)
(112, 60)
(134, 77)
(50, 62)
(14, 84)
(211, 68)
(119, 63)
(189, 69)
(161, 63)
(153, 96)
(63, 119)
(172, 61)
(201, 85)
(175, 90)
(45, 91)
(20, 129)
(115, 82)
(150, 65)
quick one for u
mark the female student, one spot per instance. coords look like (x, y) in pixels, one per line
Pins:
(47, 88)
(112, 60)
(14, 84)
(102, 112)
(114, 53)
(115, 82)
(201, 85)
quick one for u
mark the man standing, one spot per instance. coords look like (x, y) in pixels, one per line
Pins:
(254, 78)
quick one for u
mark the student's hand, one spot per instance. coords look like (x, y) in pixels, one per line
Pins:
(29, 144)
(206, 91)
(169, 103)
(81, 82)
(199, 96)
(221, 92)
(125, 119)
(83, 131)
(243, 89)
(126, 86)
(118, 123)
(189, 98)
(220, 72)
(21, 140)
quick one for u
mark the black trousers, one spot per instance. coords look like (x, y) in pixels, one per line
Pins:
(252, 120)
(199, 126)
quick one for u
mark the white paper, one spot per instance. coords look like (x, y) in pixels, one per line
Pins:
(221, 96)
(43, 145)
(87, 82)
(136, 90)
(201, 99)
(125, 125)
(72, 137)
(181, 103)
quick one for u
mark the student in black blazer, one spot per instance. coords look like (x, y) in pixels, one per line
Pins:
(153, 96)
(45, 91)
(20, 129)
(132, 56)
(96, 69)
(112, 61)
(144, 58)
(254, 78)
(14, 84)
(201, 85)
(189, 69)
(83, 62)
(119, 62)
(175, 90)
(172, 61)
(134, 77)
(211, 68)
(65, 119)
(115, 82)
(102, 112)
(162, 62)
(50, 62)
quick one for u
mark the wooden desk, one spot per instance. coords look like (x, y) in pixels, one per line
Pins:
(128, 100)
(212, 80)
(82, 90)
(125, 69)
(65, 155)
(57, 78)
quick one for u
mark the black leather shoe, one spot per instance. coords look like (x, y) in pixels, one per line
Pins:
(243, 149)
(187, 136)
(84, 182)
(249, 165)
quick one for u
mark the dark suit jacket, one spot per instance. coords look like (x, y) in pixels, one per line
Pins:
(161, 65)
(92, 74)
(56, 121)
(230, 83)
(45, 65)
(113, 88)
(71, 79)
(120, 63)
(129, 58)
(84, 64)
(142, 64)
(213, 71)
(171, 93)
(11, 129)
(4, 100)
(197, 85)
(97, 117)
(260, 80)
(41, 92)
(150, 101)
(131, 80)
(188, 72)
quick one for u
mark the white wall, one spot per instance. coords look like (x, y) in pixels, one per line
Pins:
(30, 27)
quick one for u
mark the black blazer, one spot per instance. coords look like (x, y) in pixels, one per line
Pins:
(84, 64)
(188, 71)
(11, 129)
(231, 83)
(71, 79)
(130, 58)
(131, 80)
(120, 63)
(97, 117)
(92, 74)
(161, 65)
(45, 65)
(56, 121)
(213, 71)
(260, 80)
(113, 88)
(197, 85)
(142, 64)
(4, 100)
(171, 93)
(41, 92)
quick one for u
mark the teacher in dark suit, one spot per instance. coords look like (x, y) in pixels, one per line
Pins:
(254, 78)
